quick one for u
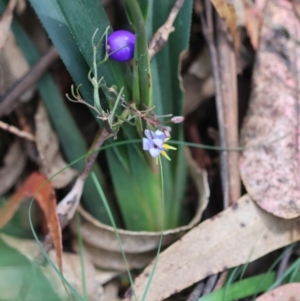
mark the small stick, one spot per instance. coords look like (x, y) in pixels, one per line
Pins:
(14, 130)
(197, 292)
(210, 284)
(10, 99)
(221, 280)
(162, 34)
(284, 263)
(208, 30)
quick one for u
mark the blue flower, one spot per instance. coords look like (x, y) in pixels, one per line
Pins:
(155, 144)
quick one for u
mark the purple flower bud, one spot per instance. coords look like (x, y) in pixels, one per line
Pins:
(177, 119)
(121, 45)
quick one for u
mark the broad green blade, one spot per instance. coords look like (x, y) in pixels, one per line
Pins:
(167, 96)
(135, 176)
(21, 279)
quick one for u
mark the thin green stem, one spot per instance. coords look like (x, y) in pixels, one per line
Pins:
(107, 208)
(46, 255)
(161, 235)
(81, 253)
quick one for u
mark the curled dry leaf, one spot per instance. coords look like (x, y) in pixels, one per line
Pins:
(287, 292)
(5, 22)
(36, 186)
(240, 234)
(48, 147)
(72, 269)
(253, 21)
(14, 163)
(13, 65)
(296, 4)
(227, 12)
(101, 243)
(198, 83)
(271, 172)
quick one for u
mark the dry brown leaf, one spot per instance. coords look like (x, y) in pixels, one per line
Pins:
(296, 4)
(5, 22)
(287, 292)
(227, 12)
(21, 6)
(198, 82)
(271, 172)
(253, 20)
(48, 147)
(72, 269)
(36, 186)
(240, 234)
(14, 163)
(13, 65)
(111, 292)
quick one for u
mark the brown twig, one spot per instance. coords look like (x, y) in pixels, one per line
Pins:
(221, 280)
(228, 75)
(92, 158)
(14, 130)
(284, 263)
(197, 292)
(210, 284)
(162, 34)
(208, 30)
(10, 99)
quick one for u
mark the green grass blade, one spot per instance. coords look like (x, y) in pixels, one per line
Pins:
(241, 289)
(167, 96)
(19, 277)
(141, 65)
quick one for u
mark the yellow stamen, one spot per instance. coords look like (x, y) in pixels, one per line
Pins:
(165, 155)
(167, 146)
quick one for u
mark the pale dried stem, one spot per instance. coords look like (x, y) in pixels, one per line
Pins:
(10, 99)
(161, 36)
(92, 158)
(228, 75)
(221, 280)
(14, 130)
(208, 30)
(210, 284)
(197, 292)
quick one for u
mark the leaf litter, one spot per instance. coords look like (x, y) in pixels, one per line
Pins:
(271, 173)
(14, 164)
(35, 186)
(243, 232)
(239, 234)
(48, 146)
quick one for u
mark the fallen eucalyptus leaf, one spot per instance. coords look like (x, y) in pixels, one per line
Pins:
(271, 172)
(14, 163)
(240, 234)
(35, 186)
(13, 67)
(48, 146)
(227, 12)
(290, 291)
(5, 22)
(198, 83)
